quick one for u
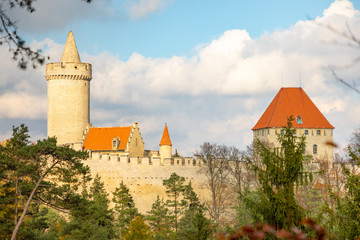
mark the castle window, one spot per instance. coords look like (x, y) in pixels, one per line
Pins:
(314, 149)
(294, 132)
(299, 120)
(324, 132)
(177, 162)
(150, 163)
(172, 162)
(282, 131)
(306, 132)
(114, 143)
(194, 162)
(318, 132)
(183, 162)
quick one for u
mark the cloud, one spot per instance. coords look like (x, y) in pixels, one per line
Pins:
(216, 95)
(143, 8)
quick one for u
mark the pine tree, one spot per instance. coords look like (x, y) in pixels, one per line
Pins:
(91, 218)
(124, 207)
(31, 169)
(159, 220)
(176, 203)
(281, 169)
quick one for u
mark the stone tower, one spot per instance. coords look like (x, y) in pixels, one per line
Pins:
(68, 90)
(165, 145)
(308, 121)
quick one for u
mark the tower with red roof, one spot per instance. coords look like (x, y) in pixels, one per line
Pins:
(308, 121)
(165, 145)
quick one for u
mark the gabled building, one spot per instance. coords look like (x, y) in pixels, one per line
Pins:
(308, 121)
(121, 141)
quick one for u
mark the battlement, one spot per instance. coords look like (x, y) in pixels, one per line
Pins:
(145, 161)
(69, 71)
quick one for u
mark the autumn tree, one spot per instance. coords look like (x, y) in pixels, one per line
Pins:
(137, 230)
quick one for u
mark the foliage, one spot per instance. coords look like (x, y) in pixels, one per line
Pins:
(282, 168)
(195, 226)
(176, 203)
(9, 35)
(91, 217)
(29, 172)
(159, 220)
(263, 231)
(124, 207)
(137, 230)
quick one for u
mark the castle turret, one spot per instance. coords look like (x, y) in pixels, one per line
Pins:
(165, 145)
(68, 85)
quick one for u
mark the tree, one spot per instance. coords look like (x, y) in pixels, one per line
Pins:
(283, 169)
(9, 35)
(91, 217)
(174, 190)
(124, 207)
(345, 218)
(194, 224)
(32, 169)
(159, 220)
(216, 169)
(137, 230)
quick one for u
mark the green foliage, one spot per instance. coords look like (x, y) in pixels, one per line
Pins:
(195, 226)
(137, 230)
(176, 203)
(91, 217)
(159, 220)
(124, 207)
(28, 173)
(280, 170)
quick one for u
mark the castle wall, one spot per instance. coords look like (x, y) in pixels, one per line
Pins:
(144, 176)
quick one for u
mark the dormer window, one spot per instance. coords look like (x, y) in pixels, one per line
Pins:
(115, 143)
(299, 120)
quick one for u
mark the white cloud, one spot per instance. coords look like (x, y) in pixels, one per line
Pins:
(218, 94)
(143, 8)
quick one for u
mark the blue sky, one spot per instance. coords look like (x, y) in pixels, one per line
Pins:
(207, 68)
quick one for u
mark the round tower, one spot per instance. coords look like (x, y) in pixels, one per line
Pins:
(68, 90)
(165, 145)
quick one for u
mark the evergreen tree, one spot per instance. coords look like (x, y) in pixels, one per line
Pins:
(29, 172)
(124, 207)
(137, 230)
(193, 224)
(91, 218)
(281, 169)
(176, 203)
(159, 220)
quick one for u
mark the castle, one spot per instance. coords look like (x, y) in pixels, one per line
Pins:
(117, 153)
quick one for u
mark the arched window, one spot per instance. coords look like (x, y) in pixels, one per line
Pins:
(314, 149)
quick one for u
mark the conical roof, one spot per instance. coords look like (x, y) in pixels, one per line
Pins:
(70, 53)
(165, 140)
(295, 102)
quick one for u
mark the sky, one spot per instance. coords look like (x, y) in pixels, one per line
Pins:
(208, 69)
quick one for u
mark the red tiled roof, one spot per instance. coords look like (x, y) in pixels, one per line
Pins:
(100, 139)
(295, 102)
(165, 140)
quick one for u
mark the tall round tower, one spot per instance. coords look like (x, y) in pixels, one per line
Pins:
(68, 90)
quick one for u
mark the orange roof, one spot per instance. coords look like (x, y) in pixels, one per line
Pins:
(295, 102)
(100, 139)
(165, 140)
